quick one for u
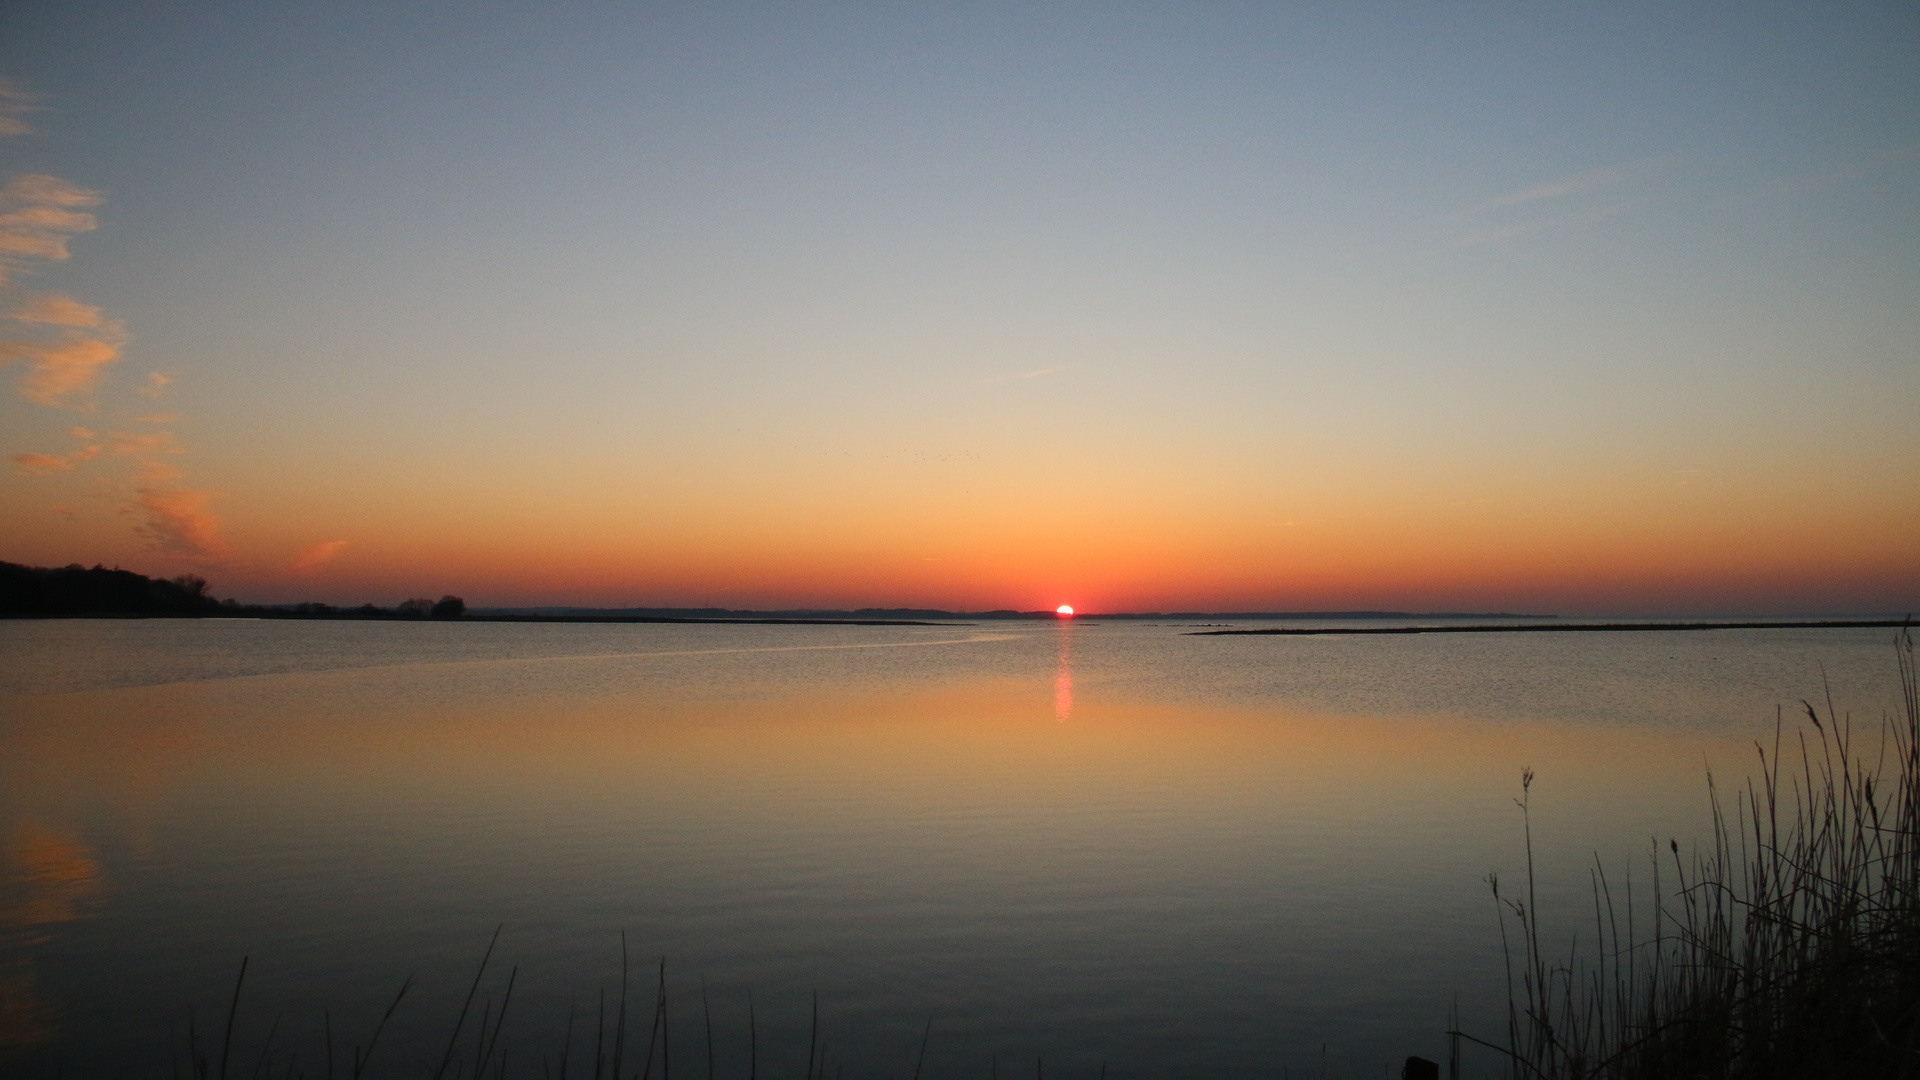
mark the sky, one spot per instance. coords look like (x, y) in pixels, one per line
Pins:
(1568, 307)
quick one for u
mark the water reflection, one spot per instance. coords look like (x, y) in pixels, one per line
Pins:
(73, 792)
(25, 1019)
(1063, 674)
(1203, 876)
(47, 876)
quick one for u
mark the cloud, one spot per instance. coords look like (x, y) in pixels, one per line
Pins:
(57, 309)
(48, 464)
(15, 104)
(1578, 184)
(66, 368)
(37, 215)
(177, 521)
(42, 464)
(158, 418)
(66, 345)
(314, 559)
(134, 444)
(1034, 374)
(1508, 232)
(141, 443)
(69, 364)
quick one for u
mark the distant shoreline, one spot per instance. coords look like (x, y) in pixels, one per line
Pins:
(349, 615)
(1555, 628)
(710, 615)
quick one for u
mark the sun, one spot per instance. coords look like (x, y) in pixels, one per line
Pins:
(1065, 611)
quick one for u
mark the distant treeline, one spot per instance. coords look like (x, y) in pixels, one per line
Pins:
(67, 591)
(77, 590)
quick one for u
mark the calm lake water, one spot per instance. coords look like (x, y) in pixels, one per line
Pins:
(1180, 856)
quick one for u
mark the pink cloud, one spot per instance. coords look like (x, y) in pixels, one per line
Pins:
(56, 309)
(139, 443)
(314, 559)
(42, 464)
(64, 369)
(37, 216)
(177, 520)
(134, 444)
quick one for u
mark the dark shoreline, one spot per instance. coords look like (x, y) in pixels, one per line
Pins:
(1556, 628)
(274, 615)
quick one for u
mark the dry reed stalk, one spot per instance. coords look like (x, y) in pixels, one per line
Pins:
(1793, 946)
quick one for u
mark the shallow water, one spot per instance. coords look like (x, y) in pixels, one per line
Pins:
(1180, 856)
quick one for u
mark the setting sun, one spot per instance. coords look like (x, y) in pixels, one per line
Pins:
(1064, 611)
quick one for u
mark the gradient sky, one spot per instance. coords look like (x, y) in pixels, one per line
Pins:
(1569, 307)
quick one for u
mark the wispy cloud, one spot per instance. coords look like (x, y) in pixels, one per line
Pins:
(1508, 232)
(1539, 209)
(143, 443)
(66, 345)
(176, 520)
(42, 464)
(15, 104)
(67, 365)
(56, 309)
(127, 444)
(314, 559)
(66, 368)
(1034, 374)
(1583, 183)
(38, 214)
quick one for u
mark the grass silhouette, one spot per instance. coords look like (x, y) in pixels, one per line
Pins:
(1788, 947)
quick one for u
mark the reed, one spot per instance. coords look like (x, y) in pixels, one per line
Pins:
(1789, 945)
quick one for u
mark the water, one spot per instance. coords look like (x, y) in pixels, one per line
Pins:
(1177, 855)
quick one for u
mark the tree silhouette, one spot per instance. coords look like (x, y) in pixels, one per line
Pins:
(77, 590)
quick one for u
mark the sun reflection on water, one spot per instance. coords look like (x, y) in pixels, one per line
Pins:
(1063, 675)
